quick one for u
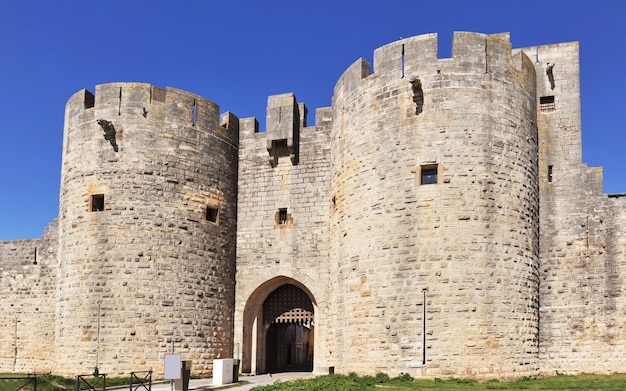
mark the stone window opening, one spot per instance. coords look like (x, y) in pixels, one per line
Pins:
(550, 173)
(119, 105)
(194, 113)
(96, 203)
(212, 214)
(402, 71)
(546, 104)
(282, 216)
(429, 174)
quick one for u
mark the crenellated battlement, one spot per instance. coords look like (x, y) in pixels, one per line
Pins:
(472, 53)
(144, 100)
(137, 116)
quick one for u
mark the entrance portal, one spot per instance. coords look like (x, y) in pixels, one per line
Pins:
(278, 328)
(288, 314)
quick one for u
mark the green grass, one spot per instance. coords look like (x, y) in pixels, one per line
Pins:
(49, 382)
(44, 383)
(382, 382)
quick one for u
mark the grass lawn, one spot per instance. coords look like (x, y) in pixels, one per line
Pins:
(48, 382)
(382, 382)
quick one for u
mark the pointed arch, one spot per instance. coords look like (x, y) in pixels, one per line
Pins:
(255, 327)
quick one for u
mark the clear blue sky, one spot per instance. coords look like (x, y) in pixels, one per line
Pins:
(236, 53)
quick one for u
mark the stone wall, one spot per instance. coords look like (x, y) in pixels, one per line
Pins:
(269, 253)
(583, 263)
(28, 277)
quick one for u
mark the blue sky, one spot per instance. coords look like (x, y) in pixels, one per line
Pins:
(236, 53)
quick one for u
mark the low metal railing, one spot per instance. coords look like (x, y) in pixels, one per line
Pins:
(91, 382)
(141, 380)
(17, 383)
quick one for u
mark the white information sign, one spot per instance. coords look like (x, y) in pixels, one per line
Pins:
(172, 367)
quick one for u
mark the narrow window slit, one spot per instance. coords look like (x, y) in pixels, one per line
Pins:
(549, 173)
(402, 61)
(424, 327)
(119, 105)
(194, 113)
(486, 56)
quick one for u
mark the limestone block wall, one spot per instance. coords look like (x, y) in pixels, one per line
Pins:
(582, 277)
(582, 259)
(452, 263)
(147, 227)
(28, 280)
(270, 254)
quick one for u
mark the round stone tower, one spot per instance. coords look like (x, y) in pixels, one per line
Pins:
(434, 211)
(147, 226)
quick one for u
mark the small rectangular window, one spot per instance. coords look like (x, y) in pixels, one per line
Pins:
(549, 173)
(212, 214)
(96, 203)
(282, 216)
(428, 175)
(546, 104)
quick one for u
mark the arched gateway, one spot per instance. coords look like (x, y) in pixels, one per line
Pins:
(278, 328)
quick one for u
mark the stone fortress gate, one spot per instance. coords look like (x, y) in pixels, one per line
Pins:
(437, 220)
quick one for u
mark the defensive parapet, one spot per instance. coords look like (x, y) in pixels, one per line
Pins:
(147, 229)
(434, 219)
(471, 53)
(417, 56)
(147, 103)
